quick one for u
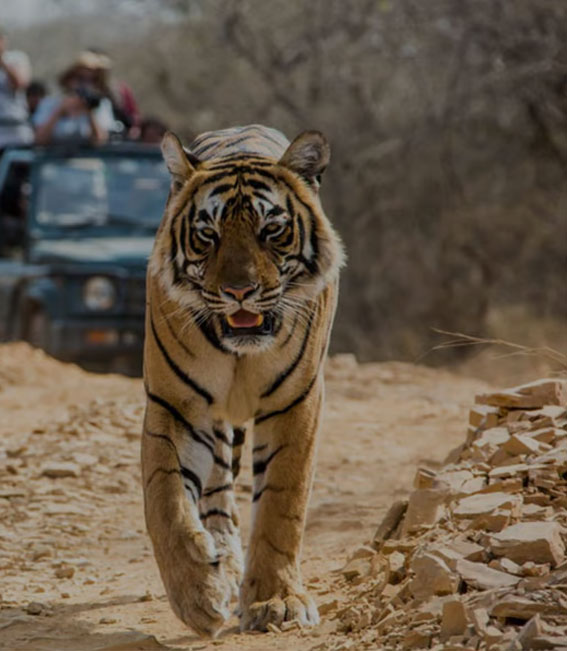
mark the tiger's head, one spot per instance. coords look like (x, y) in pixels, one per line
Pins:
(244, 244)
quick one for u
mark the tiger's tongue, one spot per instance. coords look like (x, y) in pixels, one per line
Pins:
(244, 319)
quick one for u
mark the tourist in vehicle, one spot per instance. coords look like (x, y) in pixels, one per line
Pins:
(35, 92)
(15, 72)
(124, 103)
(152, 131)
(80, 113)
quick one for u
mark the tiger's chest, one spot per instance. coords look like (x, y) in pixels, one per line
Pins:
(256, 384)
(239, 397)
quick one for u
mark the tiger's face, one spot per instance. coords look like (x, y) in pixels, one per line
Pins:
(249, 244)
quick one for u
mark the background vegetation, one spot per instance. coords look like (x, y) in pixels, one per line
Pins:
(447, 118)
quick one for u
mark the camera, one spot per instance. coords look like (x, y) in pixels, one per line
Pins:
(89, 96)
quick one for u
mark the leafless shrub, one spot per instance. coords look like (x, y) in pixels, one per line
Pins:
(448, 121)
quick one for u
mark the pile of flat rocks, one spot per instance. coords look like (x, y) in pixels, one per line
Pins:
(475, 558)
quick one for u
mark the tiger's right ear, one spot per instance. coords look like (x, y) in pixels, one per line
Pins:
(180, 162)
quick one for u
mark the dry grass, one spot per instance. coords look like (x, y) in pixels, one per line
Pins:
(545, 352)
(520, 347)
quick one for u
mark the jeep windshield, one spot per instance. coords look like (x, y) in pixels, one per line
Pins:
(104, 195)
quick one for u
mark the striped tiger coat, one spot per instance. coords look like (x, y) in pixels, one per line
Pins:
(242, 288)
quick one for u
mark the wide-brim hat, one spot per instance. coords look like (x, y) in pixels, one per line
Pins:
(86, 59)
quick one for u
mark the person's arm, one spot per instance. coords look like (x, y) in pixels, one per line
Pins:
(16, 68)
(99, 135)
(47, 116)
(101, 121)
(44, 131)
(14, 78)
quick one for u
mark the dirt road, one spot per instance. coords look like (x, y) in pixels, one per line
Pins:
(76, 568)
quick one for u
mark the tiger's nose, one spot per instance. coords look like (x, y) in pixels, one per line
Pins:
(239, 292)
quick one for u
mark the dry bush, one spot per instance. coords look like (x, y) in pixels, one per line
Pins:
(448, 121)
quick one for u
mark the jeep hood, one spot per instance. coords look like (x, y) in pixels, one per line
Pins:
(111, 250)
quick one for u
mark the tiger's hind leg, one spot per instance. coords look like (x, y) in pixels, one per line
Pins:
(177, 462)
(219, 512)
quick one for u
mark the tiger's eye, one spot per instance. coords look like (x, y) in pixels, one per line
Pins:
(273, 228)
(207, 232)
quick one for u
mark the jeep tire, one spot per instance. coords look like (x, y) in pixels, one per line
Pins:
(36, 328)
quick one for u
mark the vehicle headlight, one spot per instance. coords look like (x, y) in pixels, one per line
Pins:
(99, 293)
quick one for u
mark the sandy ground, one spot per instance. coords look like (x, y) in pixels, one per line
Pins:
(76, 567)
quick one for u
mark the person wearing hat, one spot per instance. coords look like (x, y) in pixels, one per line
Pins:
(15, 72)
(124, 104)
(81, 113)
(35, 92)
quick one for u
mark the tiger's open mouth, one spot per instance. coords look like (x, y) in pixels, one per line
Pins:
(247, 323)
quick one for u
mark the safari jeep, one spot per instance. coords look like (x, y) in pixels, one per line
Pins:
(76, 230)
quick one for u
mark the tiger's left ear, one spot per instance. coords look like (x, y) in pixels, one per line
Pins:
(308, 155)
(180, 162)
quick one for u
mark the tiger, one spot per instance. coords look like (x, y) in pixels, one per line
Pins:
(242, 287)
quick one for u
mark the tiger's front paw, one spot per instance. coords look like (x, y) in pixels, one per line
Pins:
(299, 606)
(196, 580)
(199, 595)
